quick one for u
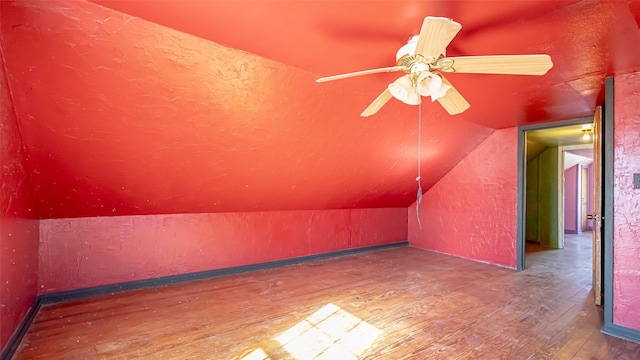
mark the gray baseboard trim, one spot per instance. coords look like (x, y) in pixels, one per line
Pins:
(16, 339)
(78, 294)
(621, 332)
(201, 275)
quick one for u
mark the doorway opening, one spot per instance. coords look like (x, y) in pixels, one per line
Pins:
(558, 201)
(555, 158)
(578, 188)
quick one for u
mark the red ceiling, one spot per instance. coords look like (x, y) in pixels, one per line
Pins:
(211, 106)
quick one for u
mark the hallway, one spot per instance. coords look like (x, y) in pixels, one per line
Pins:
(576, 255)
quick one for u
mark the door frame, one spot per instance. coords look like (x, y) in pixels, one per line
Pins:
(607, 204)
(522, 181)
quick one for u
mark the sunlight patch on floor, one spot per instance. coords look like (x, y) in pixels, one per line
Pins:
(257, 354)
(328, 334)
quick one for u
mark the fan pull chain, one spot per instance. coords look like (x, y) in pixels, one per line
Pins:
(419, 199)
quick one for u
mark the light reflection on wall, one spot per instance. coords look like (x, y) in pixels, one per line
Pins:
(329, 333)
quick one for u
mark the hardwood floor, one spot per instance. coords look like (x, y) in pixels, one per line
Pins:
(401, 303)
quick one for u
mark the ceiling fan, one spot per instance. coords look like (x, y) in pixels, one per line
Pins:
(423, 61)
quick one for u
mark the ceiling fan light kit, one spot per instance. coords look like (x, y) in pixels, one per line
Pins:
(411, 87)
(430, 84)
(404, 90)
(423, 60)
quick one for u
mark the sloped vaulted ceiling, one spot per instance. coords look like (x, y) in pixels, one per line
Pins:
(137, 107)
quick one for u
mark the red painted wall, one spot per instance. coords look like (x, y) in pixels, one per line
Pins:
(626, 216)
(18, 233)
(82, 252)
(121, 116)
(471, 211)
(571, 199)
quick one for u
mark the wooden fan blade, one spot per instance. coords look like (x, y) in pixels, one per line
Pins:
(377, 104)
(502, 64)
(360, 73)
(435, 35)
(453, 101)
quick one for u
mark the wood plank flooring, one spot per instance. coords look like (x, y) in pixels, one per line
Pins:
(401, 303)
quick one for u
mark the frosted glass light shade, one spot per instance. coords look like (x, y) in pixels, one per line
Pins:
(403, 90)
(430, 84)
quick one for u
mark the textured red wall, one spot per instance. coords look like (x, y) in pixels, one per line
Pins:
(626, 216)
(124, 117)
(471, 211)
(82, 252)
(18, 233)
